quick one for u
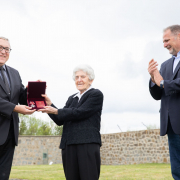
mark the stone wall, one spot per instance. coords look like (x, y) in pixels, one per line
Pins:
(33, 150)
(136, 147)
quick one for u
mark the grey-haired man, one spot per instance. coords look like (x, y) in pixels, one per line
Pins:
(165, 86)
(12, 92)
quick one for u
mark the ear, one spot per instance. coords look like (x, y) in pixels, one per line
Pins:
(90, 81)
(178, 36)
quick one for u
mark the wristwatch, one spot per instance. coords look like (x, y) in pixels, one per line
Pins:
(162, 84)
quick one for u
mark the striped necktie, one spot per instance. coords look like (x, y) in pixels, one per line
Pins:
(5, 80)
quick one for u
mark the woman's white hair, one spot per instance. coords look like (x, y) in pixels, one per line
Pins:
(85, 68)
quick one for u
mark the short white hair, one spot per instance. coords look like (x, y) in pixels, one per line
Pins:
(1, 37)
(85, 68)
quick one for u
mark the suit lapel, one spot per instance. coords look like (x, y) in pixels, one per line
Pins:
(75, 102)
(175, 71)
(170, 68)
(84, 96)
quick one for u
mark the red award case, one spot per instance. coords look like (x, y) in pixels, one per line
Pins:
(34, 98)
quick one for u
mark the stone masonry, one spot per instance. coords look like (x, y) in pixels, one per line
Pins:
(32, 150)
(136, 147)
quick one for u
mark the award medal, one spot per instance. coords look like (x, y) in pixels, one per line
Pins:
(32, 104)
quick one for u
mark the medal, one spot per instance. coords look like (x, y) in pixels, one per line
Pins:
(32, 104)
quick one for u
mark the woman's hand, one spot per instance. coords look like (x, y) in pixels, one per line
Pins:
(49, 110)
(48, 101)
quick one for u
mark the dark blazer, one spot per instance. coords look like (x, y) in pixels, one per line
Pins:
(81, 121)
(8, 103)
(169, 96)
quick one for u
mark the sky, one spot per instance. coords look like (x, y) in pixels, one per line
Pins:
(117, 38)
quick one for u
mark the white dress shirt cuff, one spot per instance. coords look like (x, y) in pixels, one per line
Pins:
(152, 84)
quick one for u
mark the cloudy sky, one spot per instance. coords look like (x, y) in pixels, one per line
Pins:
(117, 38)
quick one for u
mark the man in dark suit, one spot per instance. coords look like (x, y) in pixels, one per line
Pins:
(12, 92)
(165, 86)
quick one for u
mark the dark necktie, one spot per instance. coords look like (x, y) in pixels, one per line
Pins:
(5, 80)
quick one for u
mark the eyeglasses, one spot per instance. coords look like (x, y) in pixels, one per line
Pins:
(7, 50)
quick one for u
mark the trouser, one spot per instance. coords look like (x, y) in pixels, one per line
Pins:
(174, 150)
(6, 157)
(81, 161)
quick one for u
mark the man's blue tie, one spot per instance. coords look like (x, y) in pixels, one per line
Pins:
(5, 80)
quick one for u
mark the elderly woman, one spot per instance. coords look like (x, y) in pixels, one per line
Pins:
(80, 117)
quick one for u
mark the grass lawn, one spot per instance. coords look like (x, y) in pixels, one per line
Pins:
(124, 172)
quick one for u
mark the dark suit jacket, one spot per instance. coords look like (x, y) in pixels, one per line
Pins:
(81, 122)
(169, 96)
(8, 103)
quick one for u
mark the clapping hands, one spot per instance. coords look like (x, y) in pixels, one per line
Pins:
(154, 73)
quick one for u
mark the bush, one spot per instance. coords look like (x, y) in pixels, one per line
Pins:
(30, 125)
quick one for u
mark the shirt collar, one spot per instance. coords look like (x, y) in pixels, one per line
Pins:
(178, 55)
(80, 95)
(4, 67)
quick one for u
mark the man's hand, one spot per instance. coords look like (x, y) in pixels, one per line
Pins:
(47, 99)
(152, 68)
(157, 78)
(49, 110)
(23, 109)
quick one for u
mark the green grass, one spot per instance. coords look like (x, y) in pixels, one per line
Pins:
(124, 172)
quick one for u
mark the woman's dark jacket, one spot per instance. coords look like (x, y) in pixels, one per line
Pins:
(80, 120)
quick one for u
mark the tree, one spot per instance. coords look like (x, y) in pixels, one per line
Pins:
(58, 130)
(30, 125)
(33, 125)
(23, 126)
(44, 129)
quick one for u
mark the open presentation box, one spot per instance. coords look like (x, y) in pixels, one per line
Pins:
(34, 98)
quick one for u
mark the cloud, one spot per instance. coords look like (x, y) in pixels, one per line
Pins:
(129, 121)
(117, 38)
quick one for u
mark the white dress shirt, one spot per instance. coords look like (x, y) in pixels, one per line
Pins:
(176, 61)
(80, 95)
